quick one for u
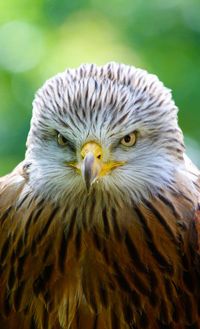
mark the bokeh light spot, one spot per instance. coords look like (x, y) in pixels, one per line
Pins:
(21, 46)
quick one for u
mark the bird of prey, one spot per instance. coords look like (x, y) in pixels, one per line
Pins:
(100, 224)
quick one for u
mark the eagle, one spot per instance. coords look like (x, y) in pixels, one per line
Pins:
(100, 223)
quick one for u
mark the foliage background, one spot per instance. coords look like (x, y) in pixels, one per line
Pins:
(39, 38)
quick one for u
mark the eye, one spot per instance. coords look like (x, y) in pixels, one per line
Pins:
(129, 140)
(61, 140)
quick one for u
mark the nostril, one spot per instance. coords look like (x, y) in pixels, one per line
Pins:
(99, 156)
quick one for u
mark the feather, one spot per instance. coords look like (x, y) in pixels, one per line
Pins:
(124, 255)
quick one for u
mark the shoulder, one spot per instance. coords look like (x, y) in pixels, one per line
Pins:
(192, 170)
(12, 185)
(190, 178)
(195, 223)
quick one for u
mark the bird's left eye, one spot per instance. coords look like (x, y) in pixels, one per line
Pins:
(129, 140)
(61, 140)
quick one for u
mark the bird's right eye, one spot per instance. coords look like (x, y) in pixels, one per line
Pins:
(61, 140)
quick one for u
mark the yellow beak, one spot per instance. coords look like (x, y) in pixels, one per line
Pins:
(92, 166)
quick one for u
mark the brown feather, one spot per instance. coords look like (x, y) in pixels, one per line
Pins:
(137, 267)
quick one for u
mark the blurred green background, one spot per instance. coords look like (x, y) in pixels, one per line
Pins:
(39, 38)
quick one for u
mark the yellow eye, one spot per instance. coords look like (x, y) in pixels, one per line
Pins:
(61, 140)
(129, 140)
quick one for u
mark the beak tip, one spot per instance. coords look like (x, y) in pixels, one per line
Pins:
(87, 170)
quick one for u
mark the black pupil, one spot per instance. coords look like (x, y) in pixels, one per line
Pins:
(64, 140)
(127, 138)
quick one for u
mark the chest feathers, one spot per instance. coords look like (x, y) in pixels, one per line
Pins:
(99, 265)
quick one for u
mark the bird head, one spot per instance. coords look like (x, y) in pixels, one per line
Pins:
(110, 129)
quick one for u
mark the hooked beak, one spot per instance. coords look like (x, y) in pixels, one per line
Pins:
(92, 166)
(90, 169)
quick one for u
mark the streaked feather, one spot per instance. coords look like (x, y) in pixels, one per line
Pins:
(150, 266)
(124, 256)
